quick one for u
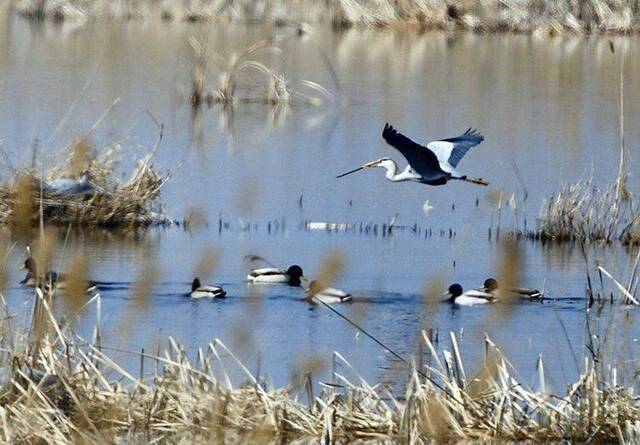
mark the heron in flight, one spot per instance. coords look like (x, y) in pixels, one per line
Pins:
(434, 164)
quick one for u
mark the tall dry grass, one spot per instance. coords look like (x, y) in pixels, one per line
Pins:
(585, 212)
(113, 203)
(70, 390)
(525, 16)
(57, 387)
(242, 78)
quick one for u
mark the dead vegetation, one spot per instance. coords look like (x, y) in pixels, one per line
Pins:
(59, 388)
(547, 16)
(104, 199)
(527, 16)
(242, 78)
(585, 212)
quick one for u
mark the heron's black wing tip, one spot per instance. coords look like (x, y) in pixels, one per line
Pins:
(471, 134)
(388, 131)
(476, 133)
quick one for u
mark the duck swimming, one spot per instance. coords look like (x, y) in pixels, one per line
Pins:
(316, 292)
(203, 291)
(469, 298)
(491, 286)
(292, 276)
(49, 279)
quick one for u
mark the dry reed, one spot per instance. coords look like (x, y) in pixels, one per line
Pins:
(111, 202)
(236, 82)
(526, 16)
(71, 390)
(585, 212)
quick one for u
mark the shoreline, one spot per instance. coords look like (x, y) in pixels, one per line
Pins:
(545, 17)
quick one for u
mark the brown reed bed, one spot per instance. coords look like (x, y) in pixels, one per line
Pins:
(242, 78)
(527, 16)
(110, 202)
(59, 388)
(534, 16)
(586, 212)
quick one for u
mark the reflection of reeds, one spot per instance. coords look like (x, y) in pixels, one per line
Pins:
(585, 212)
(477, 15)
(232, 87)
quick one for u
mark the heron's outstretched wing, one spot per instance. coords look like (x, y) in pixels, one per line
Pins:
(462, 144)
(421, 159)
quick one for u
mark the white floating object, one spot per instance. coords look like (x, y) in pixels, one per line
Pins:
(328, 226)
(427, 207)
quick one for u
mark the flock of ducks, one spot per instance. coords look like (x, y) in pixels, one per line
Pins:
(293, 276)
(433, 164)
(48, 280)
(488, 293)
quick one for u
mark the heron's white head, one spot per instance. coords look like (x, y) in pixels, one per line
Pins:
(387, 163)
(382, 162)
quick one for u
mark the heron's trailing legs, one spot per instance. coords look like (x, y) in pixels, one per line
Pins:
(478, 181)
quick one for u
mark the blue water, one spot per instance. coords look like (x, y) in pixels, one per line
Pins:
(549, 106)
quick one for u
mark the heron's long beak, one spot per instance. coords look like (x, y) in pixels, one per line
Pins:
(367, 165)
(349, 172)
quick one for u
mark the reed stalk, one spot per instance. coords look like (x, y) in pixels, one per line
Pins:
(526, 16)
(111, 203)
(71, 390)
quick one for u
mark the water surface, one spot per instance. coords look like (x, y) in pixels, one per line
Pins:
(548, 106)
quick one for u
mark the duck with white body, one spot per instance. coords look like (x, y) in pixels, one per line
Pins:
(198, 290)
(471, 297)
(293, 276)
(316, 293)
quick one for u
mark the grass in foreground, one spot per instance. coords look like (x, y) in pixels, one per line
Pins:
(59, 388)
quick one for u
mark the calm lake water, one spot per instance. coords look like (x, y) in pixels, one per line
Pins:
(546, 105)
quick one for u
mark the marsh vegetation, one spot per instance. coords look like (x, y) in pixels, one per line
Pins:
(236, 86)
(537, 16)
(141, 361)
(59, 387)
(83, 189)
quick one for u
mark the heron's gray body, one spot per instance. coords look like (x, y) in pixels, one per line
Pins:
(69, 187)
(436, 163)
